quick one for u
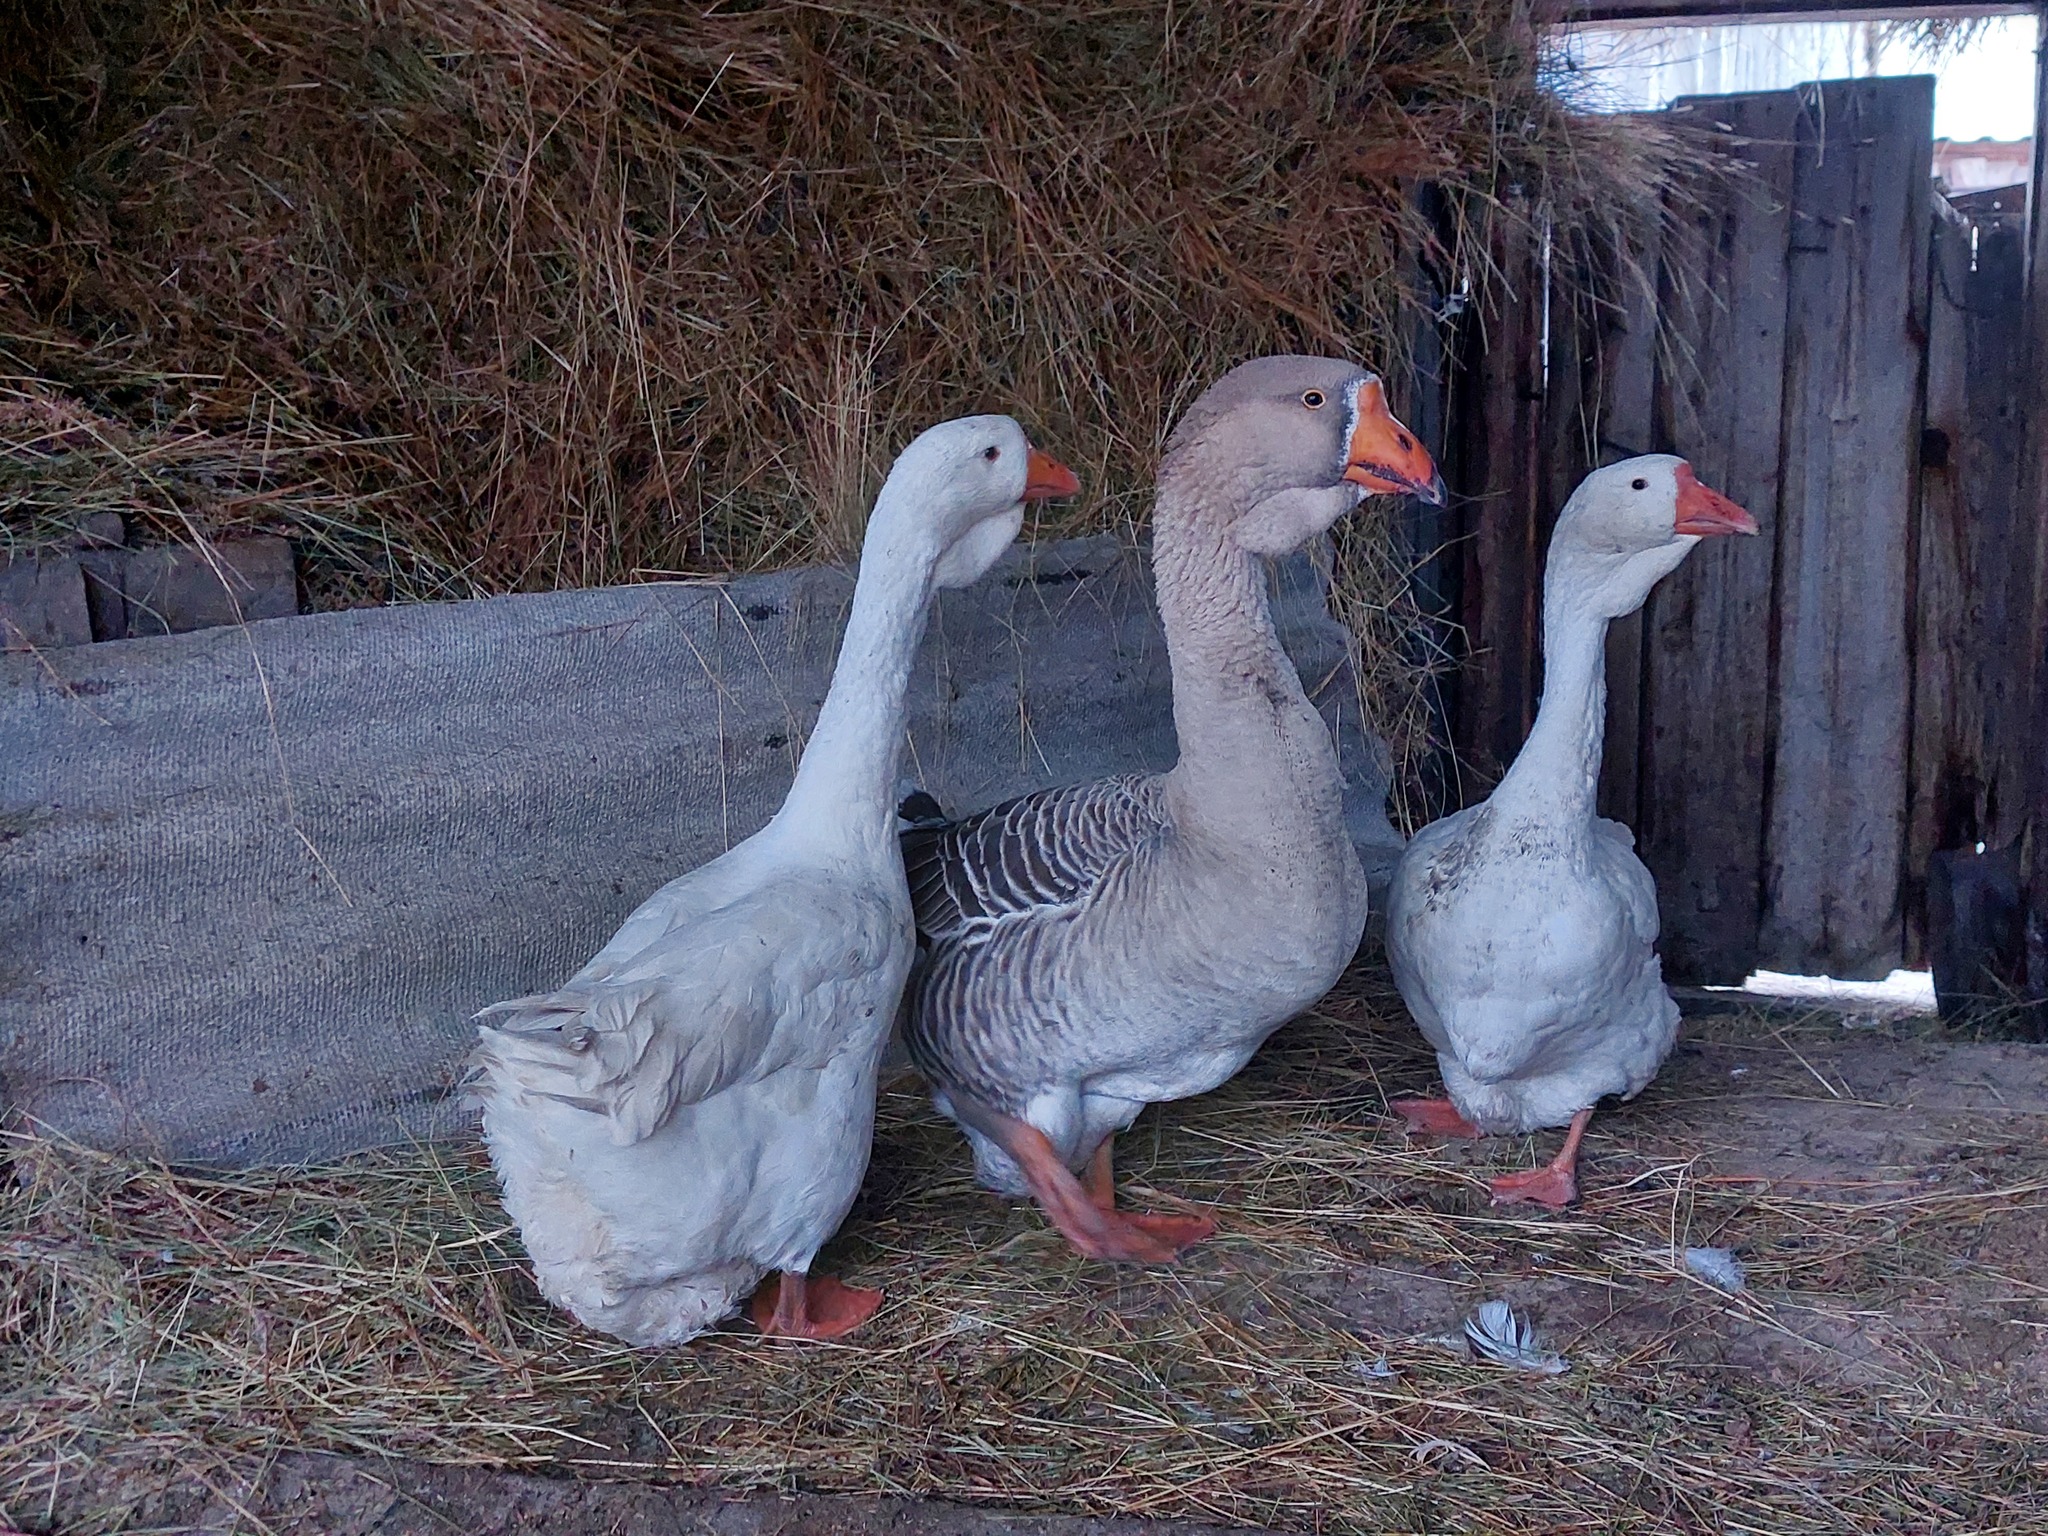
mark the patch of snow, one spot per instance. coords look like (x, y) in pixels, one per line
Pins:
(1900, 992)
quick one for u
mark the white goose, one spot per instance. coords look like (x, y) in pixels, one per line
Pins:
(694, 1108)
(1522, 932)
(1098, 947)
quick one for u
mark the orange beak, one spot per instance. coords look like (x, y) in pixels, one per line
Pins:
(1704, 512)
(1383, 455)
(1045, 478)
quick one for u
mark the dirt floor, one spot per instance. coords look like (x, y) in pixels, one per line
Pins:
(1894, 1132)
(1886, 1368)
(309, 1495)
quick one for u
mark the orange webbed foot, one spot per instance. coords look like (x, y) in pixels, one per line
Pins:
(1177, 1232)
(1113, 1238)
(1433, 1117)
(816, 1307)
(1555, 1184)
(1086, 1213)
(1547, 1186)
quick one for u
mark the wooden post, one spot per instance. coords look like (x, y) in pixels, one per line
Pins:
(2036, 483)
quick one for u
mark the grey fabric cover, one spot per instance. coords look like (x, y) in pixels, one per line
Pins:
(248, 911)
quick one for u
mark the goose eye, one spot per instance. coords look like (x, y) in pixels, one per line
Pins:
(1312, 398)
(991, 454)
(1639, 484)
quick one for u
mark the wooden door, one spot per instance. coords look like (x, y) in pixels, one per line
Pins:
(1798, 723)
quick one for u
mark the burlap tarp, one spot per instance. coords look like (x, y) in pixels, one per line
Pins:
(254, 881)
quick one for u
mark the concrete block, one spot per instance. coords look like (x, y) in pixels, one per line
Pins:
(173, 588)
(256, 882)
(43, 603)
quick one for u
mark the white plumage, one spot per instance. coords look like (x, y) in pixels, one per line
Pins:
(1528, 958)
(693, 1109)
(1522, 932)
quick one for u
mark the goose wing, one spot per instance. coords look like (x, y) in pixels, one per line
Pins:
(1631, 880)
(1040, 854)
(749, 990)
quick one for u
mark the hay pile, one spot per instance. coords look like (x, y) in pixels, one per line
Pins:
(478, 295)
(1292, 1372)
(482, 295)
(604, 290)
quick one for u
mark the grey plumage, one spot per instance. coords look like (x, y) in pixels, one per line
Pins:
(1088, 950)
(1016, 876)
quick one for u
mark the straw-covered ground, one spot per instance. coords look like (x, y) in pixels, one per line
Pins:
(1886, 1369)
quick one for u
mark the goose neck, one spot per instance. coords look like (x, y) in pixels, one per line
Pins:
(1556, 775)
(845, 782)
(1234, 688)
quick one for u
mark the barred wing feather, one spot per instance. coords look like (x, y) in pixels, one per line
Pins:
(1041, 853)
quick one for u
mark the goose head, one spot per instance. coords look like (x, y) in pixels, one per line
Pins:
(1279, 448)
(1628, 526)
(962, 486)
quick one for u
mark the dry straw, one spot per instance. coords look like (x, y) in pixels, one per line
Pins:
(482, 295)
(198, 1322)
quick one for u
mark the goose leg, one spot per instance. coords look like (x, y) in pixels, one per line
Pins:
(1433, 1117)
(793, 1306)
(1101, 1176)
(1093, 1230)
(1554, 1184)
(1100, 1182)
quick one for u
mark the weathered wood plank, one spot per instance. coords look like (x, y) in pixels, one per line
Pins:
(1578, 272)
(1835, 838)
(1973, 589)
(1497, 408)
(1707, 627)
(1623, 411)
(1429, 534)
(1940, 596)
(2005, 537)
